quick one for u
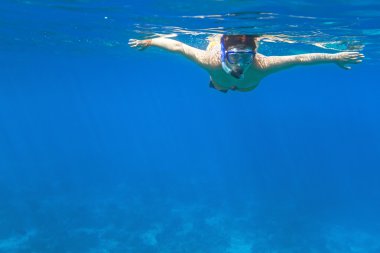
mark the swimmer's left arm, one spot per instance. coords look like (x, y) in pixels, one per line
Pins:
(276, 63)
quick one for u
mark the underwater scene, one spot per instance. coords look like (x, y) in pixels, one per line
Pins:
(105, 148)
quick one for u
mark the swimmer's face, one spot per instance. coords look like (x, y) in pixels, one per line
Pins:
(239, 58)
(240, 51)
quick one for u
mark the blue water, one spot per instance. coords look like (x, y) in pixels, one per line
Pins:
(107, 149)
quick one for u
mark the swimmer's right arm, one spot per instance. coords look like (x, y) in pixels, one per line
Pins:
(194, 54)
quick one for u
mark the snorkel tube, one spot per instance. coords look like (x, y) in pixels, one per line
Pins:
(227, 69)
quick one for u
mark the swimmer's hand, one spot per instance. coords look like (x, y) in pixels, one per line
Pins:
(139, 44)
(345, 58)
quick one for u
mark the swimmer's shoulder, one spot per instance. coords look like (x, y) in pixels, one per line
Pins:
(213, 51)
(214, 42)
(261, 63)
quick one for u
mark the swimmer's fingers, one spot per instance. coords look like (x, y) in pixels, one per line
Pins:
(345, 58)
(351, 56)
(355, 57)
(132, 42)
(139, 44)
(135, 43)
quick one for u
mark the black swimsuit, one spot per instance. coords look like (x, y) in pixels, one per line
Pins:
(212, 85)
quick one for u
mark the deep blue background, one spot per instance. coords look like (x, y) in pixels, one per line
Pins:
(82, 126)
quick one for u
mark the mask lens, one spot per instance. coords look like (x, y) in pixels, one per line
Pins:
(239, 57)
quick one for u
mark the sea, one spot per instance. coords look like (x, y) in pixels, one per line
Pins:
(108, 149)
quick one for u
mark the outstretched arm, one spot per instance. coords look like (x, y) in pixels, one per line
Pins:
(196, 55)
(277, 63)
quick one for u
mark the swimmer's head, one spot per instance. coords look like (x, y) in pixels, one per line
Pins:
(247, 41)
(238, 52)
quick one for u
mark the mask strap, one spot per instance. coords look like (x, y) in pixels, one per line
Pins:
(223, 49)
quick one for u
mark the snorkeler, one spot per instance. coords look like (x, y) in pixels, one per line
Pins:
(234, 63)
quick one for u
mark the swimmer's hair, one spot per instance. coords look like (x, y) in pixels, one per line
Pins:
(230, 40)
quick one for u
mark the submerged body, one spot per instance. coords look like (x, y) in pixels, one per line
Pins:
(212, 60)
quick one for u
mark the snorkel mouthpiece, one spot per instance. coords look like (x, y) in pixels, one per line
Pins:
(238, 73)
